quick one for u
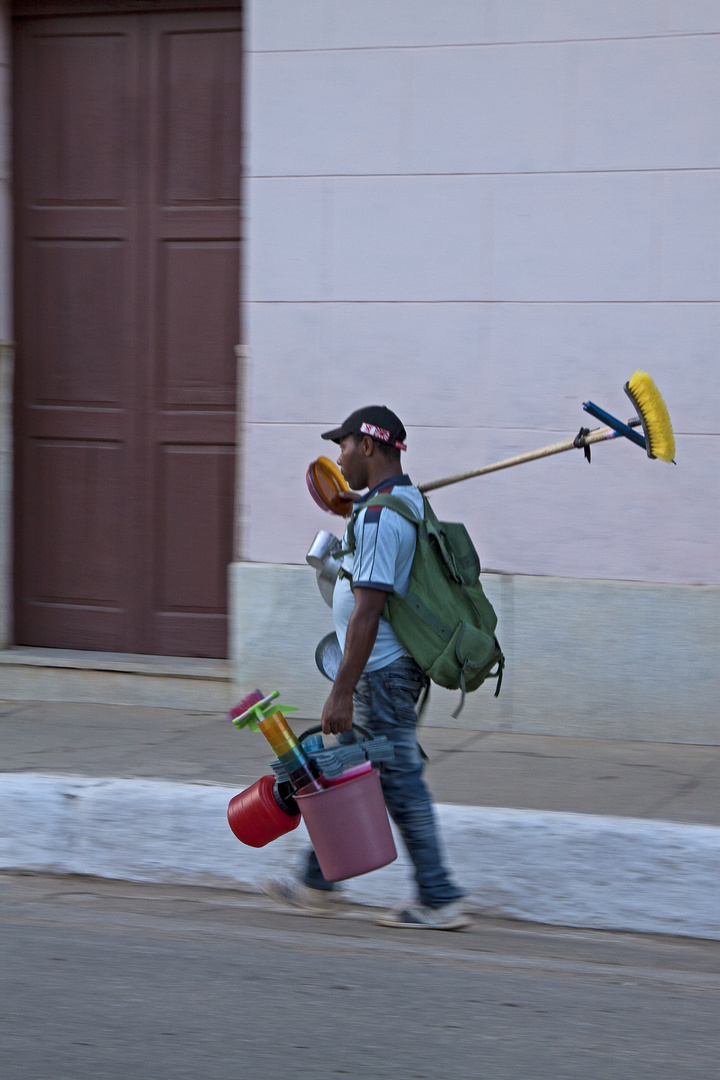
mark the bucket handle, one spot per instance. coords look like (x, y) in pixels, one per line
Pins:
(318, 728)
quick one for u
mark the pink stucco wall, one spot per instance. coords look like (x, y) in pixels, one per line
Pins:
(482, 220)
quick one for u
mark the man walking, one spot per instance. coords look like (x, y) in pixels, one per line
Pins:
(378, 683)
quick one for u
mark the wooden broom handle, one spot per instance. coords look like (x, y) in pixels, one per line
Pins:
(597, 435)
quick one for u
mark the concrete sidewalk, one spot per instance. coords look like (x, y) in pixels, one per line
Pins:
(668, 781)
(585, 832)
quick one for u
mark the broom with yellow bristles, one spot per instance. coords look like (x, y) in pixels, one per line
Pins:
(657, 438)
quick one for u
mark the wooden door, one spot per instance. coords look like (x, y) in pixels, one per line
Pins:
(127, 282)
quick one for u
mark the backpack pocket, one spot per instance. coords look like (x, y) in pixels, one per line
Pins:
(472, 651)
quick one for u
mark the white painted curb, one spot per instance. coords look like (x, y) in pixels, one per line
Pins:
(568, 869)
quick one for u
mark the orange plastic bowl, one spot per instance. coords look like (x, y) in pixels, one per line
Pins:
(325, 483)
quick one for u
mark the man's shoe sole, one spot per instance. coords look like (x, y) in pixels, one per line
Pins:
(460, 923)
(299, 902)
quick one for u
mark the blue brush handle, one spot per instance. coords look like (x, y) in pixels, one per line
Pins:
(615, 424)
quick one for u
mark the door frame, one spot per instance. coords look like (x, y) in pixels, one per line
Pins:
(37, 8)
(11, 10)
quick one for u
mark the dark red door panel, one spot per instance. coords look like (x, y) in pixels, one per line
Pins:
(127, 284)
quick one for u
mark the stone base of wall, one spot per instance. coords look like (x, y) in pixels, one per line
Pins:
(601, 659)
(167, 682)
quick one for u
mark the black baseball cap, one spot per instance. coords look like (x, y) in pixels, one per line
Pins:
(377, 421)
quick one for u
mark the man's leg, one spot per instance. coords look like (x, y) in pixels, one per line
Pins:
(313, 875)
(312, 891)
(385, 703)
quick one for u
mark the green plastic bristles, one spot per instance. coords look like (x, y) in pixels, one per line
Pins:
(255, 707)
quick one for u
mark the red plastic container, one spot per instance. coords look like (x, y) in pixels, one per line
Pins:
(349, 827)
(255, 817)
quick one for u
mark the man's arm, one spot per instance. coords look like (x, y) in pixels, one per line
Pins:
(361, 633)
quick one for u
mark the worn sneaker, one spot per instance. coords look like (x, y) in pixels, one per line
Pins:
(297, 895)
(418, 917)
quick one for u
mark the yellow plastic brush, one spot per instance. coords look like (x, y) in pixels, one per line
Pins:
(659, 441)
(653, 414)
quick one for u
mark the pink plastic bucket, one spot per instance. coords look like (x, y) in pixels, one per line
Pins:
(349, 774)
(349, 827)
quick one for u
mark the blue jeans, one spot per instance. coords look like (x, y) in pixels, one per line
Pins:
(384, 703)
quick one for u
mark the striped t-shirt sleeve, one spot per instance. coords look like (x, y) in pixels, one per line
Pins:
(377, 543)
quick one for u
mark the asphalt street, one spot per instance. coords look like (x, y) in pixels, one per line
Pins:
(119, 980)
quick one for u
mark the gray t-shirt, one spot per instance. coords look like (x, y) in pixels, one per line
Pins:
(384, 550)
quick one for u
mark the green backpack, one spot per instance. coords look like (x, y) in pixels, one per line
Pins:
(445, 622)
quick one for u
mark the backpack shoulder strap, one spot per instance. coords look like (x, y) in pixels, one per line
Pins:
(392, 502)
